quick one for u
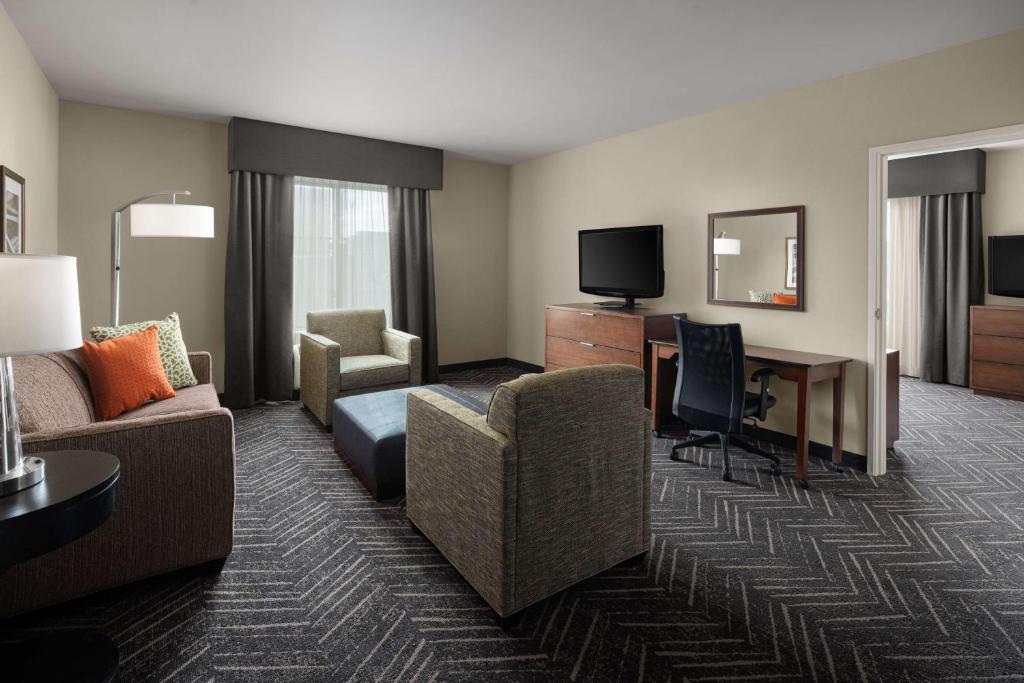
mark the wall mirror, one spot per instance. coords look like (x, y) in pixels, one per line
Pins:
(756, 258)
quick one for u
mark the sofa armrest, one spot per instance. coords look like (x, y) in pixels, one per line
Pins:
(405, 347)
(460, 486)
(175, 506)
(202, 365)
(319, 374)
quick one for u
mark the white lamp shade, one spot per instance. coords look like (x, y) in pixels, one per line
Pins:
(727, 246)
(171, 220)
(39, 311)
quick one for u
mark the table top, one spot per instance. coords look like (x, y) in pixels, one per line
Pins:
(770, 354)
(76, 495)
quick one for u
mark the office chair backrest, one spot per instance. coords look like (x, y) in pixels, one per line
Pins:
(710, 383)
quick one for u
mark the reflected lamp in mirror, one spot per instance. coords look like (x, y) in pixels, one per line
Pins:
(755, 258)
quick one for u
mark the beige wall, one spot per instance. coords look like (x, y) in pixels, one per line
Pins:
(111, 156)
(1002, 205)
(29, 135)
(806, 146)
(470, 228)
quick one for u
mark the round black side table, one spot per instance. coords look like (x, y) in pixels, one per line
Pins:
(78, 494)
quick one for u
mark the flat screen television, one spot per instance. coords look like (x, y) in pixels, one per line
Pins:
(1006, 265)
(622, 262)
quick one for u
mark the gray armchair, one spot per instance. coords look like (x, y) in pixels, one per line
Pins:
(551, 487)
(351, 352)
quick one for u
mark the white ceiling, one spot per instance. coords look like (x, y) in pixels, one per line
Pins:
(499, 80)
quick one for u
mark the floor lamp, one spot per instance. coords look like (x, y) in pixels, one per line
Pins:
(41, 315)
(154, 220)
(724, 246)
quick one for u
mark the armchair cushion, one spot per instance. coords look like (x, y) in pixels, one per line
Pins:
(370, 371)
(357, 332)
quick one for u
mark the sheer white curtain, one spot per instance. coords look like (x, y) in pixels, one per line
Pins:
(340, 251)
(903, 282)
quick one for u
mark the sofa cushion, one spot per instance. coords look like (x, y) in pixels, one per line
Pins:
(51, 392)
(173, 353)
(125, 372)
(199, 397)
(358, 372)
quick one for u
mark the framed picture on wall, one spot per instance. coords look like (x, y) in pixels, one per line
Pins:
(791, 263)
(12, 191)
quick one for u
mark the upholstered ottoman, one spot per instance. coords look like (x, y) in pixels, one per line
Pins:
(369, 434)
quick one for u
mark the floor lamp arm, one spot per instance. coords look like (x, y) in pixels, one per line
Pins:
(115, 249)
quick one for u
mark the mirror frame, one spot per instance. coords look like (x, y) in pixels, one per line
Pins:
(801, 285)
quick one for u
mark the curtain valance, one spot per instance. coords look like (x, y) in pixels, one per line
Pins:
(263, 147)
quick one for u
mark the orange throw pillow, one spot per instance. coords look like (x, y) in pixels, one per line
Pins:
(125, 373)
(789, 299)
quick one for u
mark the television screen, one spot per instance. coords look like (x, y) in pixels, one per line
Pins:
(623, 262)
(1006, 265)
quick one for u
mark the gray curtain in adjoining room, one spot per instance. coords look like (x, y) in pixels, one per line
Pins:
(952, 280)
(258, 290)
(412, 271)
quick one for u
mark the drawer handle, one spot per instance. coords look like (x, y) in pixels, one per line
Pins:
(586, 343)
(590, 314)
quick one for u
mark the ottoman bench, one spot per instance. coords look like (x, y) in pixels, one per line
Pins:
(369, 434)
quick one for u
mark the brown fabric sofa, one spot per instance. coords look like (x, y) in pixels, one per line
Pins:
(551, 487)
(176, 491)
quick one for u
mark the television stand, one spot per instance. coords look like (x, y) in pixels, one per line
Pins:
(630, 302)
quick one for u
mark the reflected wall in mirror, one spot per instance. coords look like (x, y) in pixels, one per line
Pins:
(756, 258)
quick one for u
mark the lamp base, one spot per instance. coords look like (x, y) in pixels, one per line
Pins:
(28, 473)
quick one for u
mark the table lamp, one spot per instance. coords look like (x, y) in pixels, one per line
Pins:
(154, 220)
(39, 314)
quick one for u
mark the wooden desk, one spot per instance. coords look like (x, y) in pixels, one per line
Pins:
(795, 366)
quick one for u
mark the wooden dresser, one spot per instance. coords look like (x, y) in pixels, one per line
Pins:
(585, 334)
(997, 351)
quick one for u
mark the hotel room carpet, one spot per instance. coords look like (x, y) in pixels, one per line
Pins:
(918, 575)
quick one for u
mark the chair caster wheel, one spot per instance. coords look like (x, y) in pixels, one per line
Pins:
(804, 484)
(774, 470)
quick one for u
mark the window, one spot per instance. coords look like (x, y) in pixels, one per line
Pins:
(340, 253)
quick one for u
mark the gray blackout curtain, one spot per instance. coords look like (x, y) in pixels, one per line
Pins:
(258, 290)
(412, 271)
(952, 280)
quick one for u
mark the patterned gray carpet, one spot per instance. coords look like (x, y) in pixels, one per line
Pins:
(915, 576)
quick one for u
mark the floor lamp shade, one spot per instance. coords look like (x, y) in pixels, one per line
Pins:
(727, 246)
(41, 315)
(171, 220)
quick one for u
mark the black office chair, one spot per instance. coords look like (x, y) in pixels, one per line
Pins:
(711, 390)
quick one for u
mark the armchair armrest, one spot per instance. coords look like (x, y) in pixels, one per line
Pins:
(763, 375)
(405, 347)
(202, 365)
(460, 484)
(319, 373)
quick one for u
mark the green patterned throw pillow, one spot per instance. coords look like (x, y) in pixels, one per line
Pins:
(173, 353)
(760, 296)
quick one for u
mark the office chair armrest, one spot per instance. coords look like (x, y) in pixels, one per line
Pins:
(764, 376)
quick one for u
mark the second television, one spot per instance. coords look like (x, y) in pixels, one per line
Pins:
(622, 262)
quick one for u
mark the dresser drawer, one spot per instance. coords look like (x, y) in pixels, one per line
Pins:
(591, 326)
(997, 377)
(998, 322)
(573, 354)
(998, 349)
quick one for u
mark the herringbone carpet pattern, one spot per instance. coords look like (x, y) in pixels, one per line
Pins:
(915, 576)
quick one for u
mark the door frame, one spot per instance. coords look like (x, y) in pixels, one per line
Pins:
(878, 182)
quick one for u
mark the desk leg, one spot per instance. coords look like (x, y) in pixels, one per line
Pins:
(654, 402)
(803, 415)
(663, 384)
(838, 415)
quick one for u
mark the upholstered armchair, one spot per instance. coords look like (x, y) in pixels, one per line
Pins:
(351, 352)
(551, 487)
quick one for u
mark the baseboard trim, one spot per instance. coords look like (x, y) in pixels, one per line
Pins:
(818, 450)
(490, 363)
